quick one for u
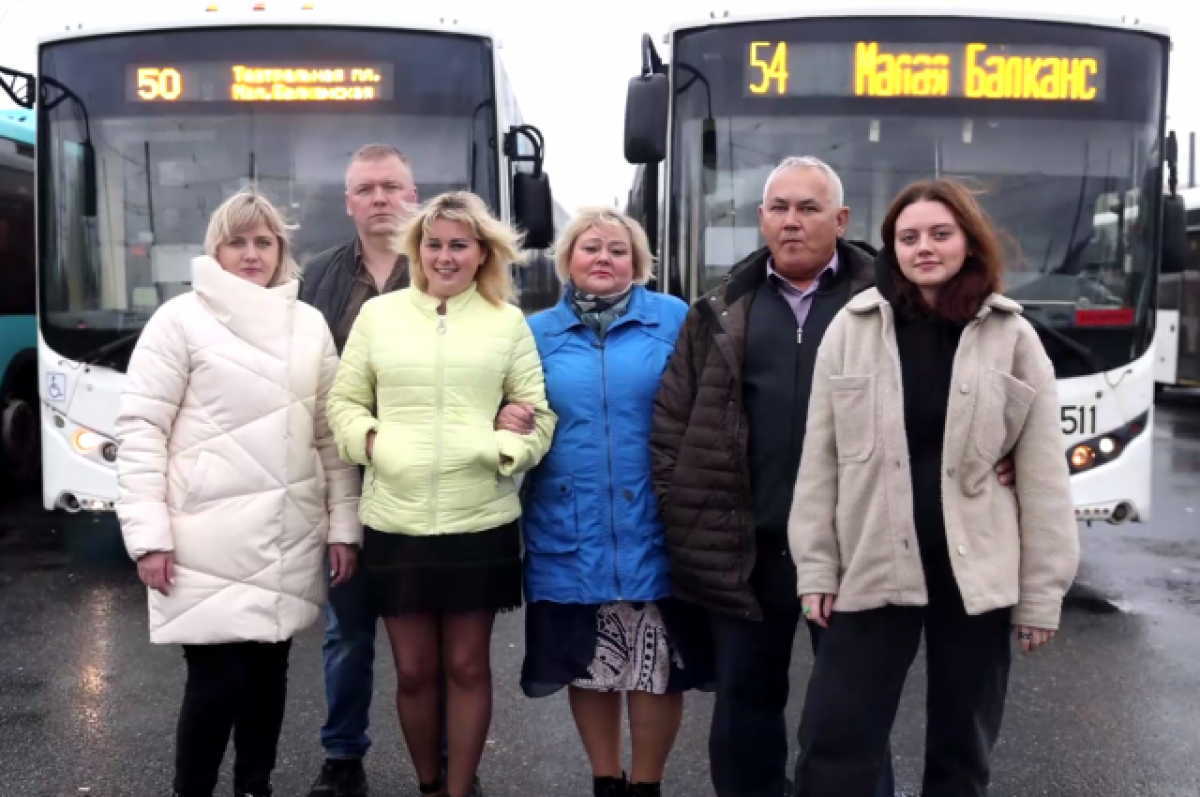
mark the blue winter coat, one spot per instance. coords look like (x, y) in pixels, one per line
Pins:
(591, 521)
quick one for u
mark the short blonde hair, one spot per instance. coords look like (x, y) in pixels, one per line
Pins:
(244, 210)
(586, 219)
(500, 242)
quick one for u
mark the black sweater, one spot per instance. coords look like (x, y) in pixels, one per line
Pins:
(927, 344)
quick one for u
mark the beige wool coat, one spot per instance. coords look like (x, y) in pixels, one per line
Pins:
(851, 528)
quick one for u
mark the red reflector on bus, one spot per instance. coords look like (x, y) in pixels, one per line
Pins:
(1116, 317)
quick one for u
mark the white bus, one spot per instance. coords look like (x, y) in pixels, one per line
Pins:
(1058, 119)
(144, 129)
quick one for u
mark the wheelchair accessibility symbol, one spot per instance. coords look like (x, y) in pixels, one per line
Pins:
(56, 390)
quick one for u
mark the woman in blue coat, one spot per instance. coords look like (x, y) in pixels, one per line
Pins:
(600, 620)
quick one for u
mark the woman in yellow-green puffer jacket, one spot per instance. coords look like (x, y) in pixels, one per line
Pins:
(422, 376)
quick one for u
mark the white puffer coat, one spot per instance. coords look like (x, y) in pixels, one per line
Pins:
(226, 459)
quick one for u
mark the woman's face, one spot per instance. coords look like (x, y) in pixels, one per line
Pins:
(602, 260)
(930, 246)
(450, 257)
(252, 254)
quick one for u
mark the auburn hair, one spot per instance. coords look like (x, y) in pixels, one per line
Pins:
(961, 298)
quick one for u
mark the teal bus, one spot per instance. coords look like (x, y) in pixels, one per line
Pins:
(20, 449)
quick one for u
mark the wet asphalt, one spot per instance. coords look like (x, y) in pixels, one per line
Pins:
(88, 706)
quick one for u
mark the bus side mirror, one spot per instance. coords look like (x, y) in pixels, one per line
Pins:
(533, 205)
(21, 87)
(533, 209)
(646, 119)
(1174, 243)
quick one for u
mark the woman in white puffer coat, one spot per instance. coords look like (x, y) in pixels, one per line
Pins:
(231, 488)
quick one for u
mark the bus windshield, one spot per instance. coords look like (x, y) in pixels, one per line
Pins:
(1066, 161)
(143, 136)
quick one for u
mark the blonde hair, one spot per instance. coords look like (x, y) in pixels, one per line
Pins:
(244, 210)
(586, 219)
(500, 242)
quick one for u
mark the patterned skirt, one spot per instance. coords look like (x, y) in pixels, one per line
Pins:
(611, 647)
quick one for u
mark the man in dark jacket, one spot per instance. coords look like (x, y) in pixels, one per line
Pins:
(380, 192)
(727, 439)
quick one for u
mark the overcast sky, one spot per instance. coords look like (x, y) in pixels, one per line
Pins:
(570, 61)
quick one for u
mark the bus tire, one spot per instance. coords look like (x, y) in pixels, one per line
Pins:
(20, 433)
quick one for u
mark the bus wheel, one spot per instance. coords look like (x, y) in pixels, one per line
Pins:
(19, 442)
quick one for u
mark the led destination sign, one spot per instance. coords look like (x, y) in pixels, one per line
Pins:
(963, 71)
(250, 82)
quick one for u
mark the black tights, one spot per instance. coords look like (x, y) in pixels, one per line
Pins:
(422, 645)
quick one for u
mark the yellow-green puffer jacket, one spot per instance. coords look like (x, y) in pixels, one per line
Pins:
(439, 465)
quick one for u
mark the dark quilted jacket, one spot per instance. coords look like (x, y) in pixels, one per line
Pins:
(700, 442)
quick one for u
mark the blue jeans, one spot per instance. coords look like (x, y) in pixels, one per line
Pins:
(349, 653)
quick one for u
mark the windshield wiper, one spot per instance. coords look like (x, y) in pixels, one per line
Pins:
(1075, 347)
(95, 356)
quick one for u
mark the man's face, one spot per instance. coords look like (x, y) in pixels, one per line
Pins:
(379, 195)
(801, 222)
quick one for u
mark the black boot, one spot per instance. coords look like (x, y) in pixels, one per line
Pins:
(610, 787)
(645, 790)
(341, 778)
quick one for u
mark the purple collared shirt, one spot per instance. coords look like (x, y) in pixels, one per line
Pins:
(800, 301)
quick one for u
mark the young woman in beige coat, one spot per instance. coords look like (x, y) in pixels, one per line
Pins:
(898, 527)
(232, 495)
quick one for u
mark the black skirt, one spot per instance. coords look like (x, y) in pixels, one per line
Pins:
(443, 573)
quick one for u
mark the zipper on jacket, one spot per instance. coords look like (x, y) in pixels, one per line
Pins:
(437, 424)
(612, 492)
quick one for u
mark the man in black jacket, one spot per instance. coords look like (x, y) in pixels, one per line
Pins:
(727, 440)
(738, 387)
(380, 193)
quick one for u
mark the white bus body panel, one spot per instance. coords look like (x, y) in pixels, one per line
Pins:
(1166, 347)
(76, 398)
(1118, 397)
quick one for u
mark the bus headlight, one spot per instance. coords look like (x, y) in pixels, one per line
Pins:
(1082, 458)
(1101, 450)
(92, 445)
(86, 441)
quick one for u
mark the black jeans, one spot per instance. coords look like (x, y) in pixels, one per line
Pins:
(886, 786)
(239, 687)
(855, 690)
(748, 743)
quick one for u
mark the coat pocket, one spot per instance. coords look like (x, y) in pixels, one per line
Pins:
(550, 522)
(1001, 415)
(853, 417)
(389, 453)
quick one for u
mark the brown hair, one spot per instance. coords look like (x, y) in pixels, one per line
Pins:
(960, 299)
